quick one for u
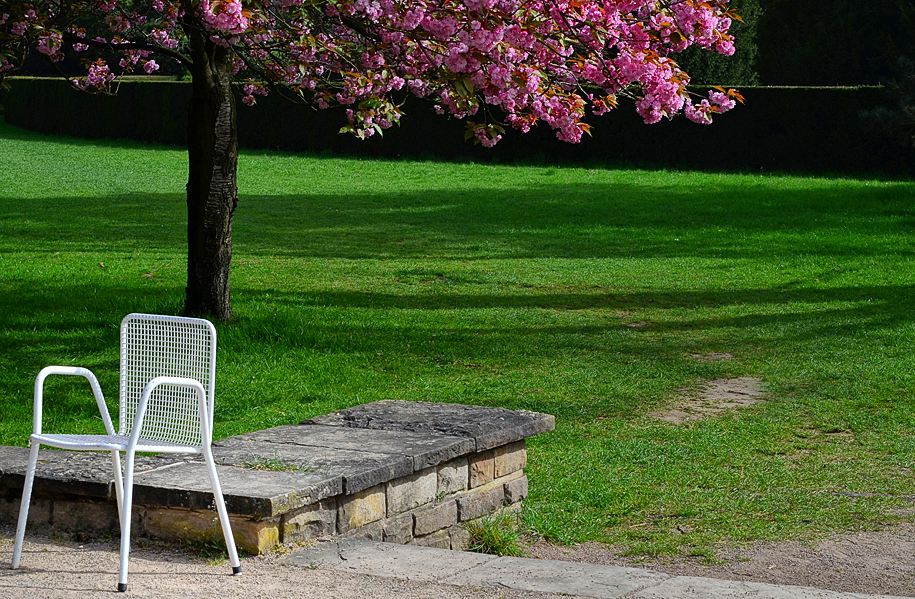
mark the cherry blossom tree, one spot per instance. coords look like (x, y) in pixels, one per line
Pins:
(497, 64)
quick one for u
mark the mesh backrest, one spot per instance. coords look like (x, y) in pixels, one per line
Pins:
(154, 346)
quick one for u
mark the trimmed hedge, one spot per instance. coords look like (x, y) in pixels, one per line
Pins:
(814, 130)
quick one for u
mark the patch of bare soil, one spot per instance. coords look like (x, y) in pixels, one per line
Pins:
(880, 562)
(717, 398)
(712, 357)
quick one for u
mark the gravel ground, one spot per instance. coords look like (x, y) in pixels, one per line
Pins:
(58, 570)
(879, 562)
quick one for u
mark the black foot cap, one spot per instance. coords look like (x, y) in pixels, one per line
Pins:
(122, 587)
(236, 570)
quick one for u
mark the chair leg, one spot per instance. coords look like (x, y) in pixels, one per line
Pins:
(24, 504)
(223, 514)
(118, 481)
(125, 520)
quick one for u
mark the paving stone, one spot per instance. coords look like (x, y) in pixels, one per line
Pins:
(489, 427)
(510, 458)
(410, 492)
(324, 553)
(364, 507)
(435, 518)
(359, 469)
(551, 576)
(452, 477)
(423, 448)
(691, 587)
(253, 493)
(390, 561)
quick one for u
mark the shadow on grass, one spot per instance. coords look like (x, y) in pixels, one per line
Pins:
(525, 220)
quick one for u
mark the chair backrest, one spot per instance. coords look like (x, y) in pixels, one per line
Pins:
(152, 346)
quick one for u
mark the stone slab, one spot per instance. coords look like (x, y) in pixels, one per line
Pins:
(13, 458)
(489, 427)
(423, 448)
(691, 587)
(466, 569)
(253, 493)
(552, 576)
(387, 560)
(83, 473)
(358, 469)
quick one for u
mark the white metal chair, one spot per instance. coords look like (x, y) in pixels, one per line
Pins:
(168, 374)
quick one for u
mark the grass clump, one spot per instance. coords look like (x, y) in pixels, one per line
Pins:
(274, 464)
(496, 534)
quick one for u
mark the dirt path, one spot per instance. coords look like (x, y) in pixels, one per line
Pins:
(880, 562)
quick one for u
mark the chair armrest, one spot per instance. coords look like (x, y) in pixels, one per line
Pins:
(203, 411)
(71, 371)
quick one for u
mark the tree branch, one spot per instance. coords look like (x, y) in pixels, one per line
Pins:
(73, 39)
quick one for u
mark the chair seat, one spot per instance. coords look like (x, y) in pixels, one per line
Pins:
(110, 443)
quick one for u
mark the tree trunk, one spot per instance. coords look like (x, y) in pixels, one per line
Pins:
(212, 190)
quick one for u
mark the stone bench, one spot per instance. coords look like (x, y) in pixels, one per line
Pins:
(394, 471)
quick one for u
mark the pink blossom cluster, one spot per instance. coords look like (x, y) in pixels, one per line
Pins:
(98, 78)
(226, 16)
(132, 57)
(537, 61)
(250, 90)
(717, 102)
(49, 43)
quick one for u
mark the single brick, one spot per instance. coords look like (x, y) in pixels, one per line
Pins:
(510, 458)
(515, 490)
(315, 520)
(435, 518)
(460, 538)
(480, 503)
(410, 492)
(481, 468)
(399, 529)
(85, 516)
(440, 539)
(252, 536)
(452, 477)
(374, 531)
(40, 510)
(361, 508)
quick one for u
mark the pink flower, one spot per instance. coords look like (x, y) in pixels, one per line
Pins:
(150, 67)
(225, 16)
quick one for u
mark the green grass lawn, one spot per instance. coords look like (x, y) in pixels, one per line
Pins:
(582, 292)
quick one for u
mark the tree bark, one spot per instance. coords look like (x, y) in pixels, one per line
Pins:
(212, 190)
